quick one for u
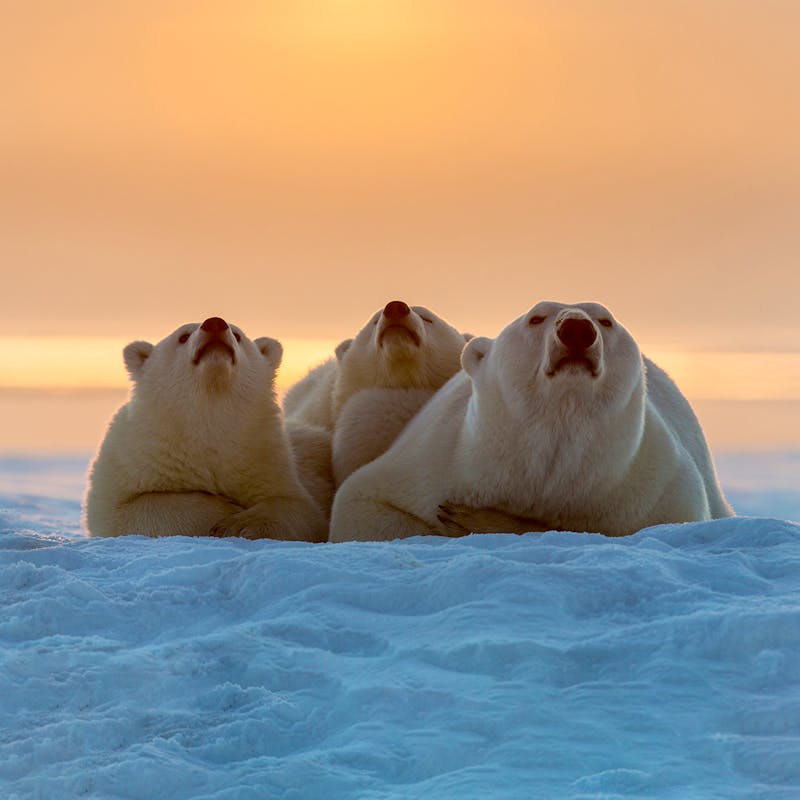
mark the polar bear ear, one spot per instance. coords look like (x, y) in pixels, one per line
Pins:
(271, 349)
(468, 336)
(342, 348)
(134, 355)
(473, 354)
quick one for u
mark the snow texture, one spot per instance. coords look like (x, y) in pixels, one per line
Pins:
(560, 665)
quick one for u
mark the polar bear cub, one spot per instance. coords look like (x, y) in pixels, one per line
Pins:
(559, 422)
(199, 448)
(392, 367)
(364, 396)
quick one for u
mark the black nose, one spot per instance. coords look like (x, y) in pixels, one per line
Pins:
(214, 325)
(396, 309)
(577, 334)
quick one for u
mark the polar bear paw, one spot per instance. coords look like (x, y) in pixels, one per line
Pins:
(461, 520)
(252, 523)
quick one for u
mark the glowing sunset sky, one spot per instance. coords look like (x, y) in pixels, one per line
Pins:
(293, 166)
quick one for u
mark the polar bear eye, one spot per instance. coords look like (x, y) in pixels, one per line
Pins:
(237, 336)
(606, 323)
(425, 319)
(183, 338)
(536, 319)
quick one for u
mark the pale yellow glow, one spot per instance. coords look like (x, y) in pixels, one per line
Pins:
(733, 376)
(72, 362)
(61, 362)
(299, 355)
(331, 19)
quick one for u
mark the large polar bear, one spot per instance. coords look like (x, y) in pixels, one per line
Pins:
(558, 423)
(200, 449)
(348, 410)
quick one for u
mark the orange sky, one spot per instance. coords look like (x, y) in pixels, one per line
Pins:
(292, 166)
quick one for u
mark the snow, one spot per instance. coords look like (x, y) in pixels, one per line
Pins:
(562, 665)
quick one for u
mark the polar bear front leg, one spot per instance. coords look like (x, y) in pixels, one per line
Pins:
(311, 448)
(367, 520)
(172, 514)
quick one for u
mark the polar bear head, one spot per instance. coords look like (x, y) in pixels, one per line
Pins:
(557, 358)
(401, 346)
(210, 360)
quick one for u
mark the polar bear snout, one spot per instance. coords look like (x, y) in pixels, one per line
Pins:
(215, 336)
(397, 318)
(396, 310)
(576, 334)
(214, 325)
(575, 343)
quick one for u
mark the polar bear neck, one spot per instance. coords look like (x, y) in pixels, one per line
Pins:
(223, 413)
(385, 374)
(190, 441)
(550, 447)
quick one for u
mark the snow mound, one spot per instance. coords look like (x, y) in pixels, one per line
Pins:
(558, 665)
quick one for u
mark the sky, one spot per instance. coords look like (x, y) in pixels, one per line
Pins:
(294, 166)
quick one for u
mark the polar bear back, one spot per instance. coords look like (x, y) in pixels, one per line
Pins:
(678, 414)
(309, 401)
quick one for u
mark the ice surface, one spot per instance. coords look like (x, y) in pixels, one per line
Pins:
(661, 665)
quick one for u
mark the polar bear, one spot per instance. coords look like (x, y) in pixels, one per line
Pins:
(559, 423)
(364, 396)
(199, 448)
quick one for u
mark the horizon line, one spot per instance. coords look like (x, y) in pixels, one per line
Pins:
(52, 364)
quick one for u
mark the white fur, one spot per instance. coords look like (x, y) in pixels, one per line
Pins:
(365, 396)
(308, 412)
(609, 447)
(308, 402)
(199, 448)
(368, 424)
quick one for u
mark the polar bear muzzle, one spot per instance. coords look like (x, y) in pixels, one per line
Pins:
(576, 334)
(215, 336)
(397, 318)
(576, 343)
